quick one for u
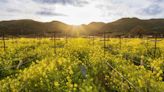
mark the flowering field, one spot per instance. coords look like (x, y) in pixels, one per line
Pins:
(82, 65)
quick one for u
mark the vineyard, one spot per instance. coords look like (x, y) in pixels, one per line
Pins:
(82, 65)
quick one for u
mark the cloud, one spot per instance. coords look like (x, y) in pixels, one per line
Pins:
(152, 10)
(48, 12)
(3, 1)
(12, 10)
(156, 0)
(63, 2)
(144, 9)
(80, 11)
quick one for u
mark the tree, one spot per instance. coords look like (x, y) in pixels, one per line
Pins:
(138, 31)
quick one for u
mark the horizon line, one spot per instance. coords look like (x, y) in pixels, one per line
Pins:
(37, 20)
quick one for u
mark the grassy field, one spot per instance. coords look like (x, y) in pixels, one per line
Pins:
(82, 65)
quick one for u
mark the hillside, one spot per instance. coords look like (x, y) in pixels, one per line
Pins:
(31, 27)
(122, 26)
(126, 25)
(94, 27)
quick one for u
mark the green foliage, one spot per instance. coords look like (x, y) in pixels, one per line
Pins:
(32, 66)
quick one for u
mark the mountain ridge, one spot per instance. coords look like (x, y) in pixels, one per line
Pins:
(121, 26)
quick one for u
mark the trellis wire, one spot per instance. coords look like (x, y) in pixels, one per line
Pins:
(123, 76)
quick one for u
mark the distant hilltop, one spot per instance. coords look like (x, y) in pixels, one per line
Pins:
(124, 26)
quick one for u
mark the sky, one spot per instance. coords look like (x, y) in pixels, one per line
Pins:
(78, 12)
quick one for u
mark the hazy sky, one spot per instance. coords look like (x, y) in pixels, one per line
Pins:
(80, 11)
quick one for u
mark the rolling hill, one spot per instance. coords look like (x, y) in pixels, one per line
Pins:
(125, 26)
(31, 27)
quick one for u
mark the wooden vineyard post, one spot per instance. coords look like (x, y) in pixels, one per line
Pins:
(54, 40)
(104, 42)
(38, 38)
(147, 42)
(4, 42)
(120, 42)
(93, 40)
(35, 38)
(88, 39)
(66, 38)
(155, 45)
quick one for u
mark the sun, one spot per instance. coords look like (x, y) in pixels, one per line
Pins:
(76, 27)
(77, 30)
